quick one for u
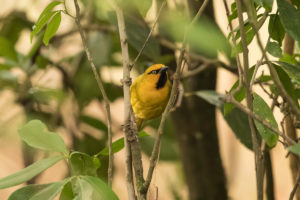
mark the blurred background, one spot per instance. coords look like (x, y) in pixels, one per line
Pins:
(55, 84)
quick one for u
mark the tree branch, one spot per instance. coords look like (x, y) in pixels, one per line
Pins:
(101, 87)
(259, 162)
(130, 128)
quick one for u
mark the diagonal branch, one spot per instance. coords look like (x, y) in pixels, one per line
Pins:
(101, 87)
(176, 77)
(148, 37)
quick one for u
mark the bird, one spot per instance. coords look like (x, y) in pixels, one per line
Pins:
(149, 93)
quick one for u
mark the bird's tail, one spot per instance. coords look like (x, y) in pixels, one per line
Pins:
(139, 122)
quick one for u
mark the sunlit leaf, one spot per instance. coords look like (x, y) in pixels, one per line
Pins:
(52, 28)
(295, 149)
(36, 135)
(67, 192)
(274, 49)
(83, 164)
(28, 172)
(204, 36)
(261, 108)
(38, 192)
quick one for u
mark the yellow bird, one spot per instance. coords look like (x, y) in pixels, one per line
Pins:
(150, 93)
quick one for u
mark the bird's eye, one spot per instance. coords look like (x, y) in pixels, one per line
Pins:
(154, 72)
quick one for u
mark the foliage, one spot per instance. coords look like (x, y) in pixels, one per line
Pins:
(203, 38)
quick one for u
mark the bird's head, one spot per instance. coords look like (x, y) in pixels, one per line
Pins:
(157, 74)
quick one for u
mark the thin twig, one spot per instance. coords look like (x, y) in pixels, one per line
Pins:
(295, 186)
(239, 66)
(148, 37)
(195, 71)
(230, 99)
(200, 11)
(101, 87)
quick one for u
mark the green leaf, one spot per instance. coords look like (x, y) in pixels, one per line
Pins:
(267, 4)
(292, 70)
(36, 135)
(67, 192)
(143, 6)
(137, 31)
(287, 83)
(204, 36)
(249, 37)
(28, 172)
(289, 17)
(25, 193)
(83, 164)
(38, 192)
(169, 148)
(15, 22)
(239, 95)
(210, 96)
(93, 122)
(8, 79)
(7, 49)
(40, 24)
(275, 28)
(100, 190)
(295, 149)
(239, 124)
(48, 8)
(262, 109)
(52, 28)
(233, 14)
(274, 49)
(83, 190)
(44, 18)
(100, 45)
(118, 145)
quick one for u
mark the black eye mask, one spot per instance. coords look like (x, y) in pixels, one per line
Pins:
(162, 80)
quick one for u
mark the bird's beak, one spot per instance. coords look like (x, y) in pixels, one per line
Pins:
(165, 68)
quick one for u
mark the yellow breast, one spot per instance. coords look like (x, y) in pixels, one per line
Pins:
(147, 101)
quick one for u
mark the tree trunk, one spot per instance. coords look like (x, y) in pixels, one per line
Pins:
(195, 125)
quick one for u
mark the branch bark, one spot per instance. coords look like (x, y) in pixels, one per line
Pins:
(131, 139)
(102, 90)
(259, 160)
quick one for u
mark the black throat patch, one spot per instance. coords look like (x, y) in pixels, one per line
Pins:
(162, 80)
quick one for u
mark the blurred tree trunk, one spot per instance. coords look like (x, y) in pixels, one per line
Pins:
(195, 125)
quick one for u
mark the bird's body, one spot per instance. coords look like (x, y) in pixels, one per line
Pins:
(150, 93)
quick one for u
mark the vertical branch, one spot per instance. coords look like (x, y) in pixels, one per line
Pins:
(249, 98)
(101, 87)
(132, 143)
